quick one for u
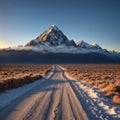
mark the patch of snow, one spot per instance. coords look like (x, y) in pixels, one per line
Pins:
(95, 97)
(95, 44)
(9, 95)
(83, 44)
(95, 103)
(54, 27)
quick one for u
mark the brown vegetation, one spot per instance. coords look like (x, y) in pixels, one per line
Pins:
(13, 76)
(116, 99)
(103, 76)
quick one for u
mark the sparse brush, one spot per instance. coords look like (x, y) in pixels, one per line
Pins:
(102, 86)
(116, 99)
(111, 87)
(108, 94)
(13, 76)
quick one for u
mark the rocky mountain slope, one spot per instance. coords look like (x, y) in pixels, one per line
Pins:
(53, 37)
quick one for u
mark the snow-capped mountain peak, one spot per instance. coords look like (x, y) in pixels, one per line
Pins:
(88, 46)
(83, 44)
(96, 45)
(50, 32)
(54, 27)
(54, 37)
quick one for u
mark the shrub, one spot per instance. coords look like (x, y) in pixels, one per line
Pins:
(111, 87)
(108, 94)
(116, 99)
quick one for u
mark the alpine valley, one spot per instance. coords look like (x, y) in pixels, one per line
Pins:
(52, 46)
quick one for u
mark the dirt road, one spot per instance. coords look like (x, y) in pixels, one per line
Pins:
(53, 99)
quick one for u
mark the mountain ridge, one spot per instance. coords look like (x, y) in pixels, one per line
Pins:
(53, 46)
(53, 39)
(54, 36)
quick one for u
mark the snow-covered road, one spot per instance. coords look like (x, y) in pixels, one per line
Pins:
(57, 97)
(52, 99)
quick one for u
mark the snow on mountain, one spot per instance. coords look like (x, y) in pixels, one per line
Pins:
(83, 44)
(54, 36)
(54, 40)
(95, 45)
(88, 46)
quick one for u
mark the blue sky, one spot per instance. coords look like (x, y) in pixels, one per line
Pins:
(94, 21)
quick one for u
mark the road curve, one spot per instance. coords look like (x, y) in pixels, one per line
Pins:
(53, 99)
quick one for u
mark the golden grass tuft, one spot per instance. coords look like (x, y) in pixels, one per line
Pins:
(108, 94)
(110, 87)
(116, 99)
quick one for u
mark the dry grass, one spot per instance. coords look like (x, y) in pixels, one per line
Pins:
(108, 93)
(116, 99)
(103, 76)
(13, 76)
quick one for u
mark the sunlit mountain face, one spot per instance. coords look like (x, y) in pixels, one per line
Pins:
(53, 36)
